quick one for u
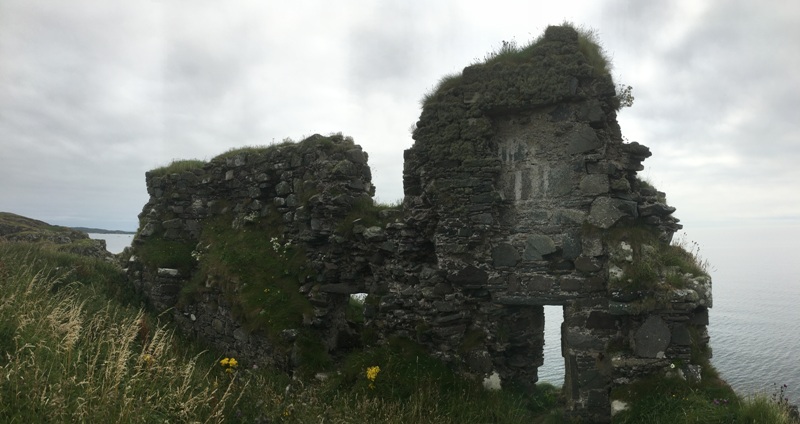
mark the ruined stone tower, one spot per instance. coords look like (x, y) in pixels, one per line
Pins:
(523, 194)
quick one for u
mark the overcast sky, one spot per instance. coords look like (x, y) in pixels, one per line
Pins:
(94, 93)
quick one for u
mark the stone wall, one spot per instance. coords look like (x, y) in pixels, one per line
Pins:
(520, 192)
(288, 197)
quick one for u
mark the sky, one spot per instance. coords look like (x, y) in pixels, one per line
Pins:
(94, 93)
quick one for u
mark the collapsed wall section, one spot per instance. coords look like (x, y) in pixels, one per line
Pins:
(255, 252)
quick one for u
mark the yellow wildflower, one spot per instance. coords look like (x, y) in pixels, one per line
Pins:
(372, 374)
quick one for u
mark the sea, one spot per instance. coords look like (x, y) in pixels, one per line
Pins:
(115, 243)
(755, 318)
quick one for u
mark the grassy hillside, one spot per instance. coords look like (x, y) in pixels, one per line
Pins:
(19, 228)
(75, 346)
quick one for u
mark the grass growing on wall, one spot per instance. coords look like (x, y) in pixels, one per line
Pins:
(159, 252)
(259, 271)
(511, 52)
(654, 261)
(179, 166)
(365, 212)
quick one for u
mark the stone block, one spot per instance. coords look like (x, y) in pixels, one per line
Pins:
(652, 338)
(594, 184)
(681, 335)
(572, 284)
(583, 341)
(582, 140)
(172, 223)
(599, 320)
(505, 254)
(470, 276)
(560, 181)
(587, 264)
(541, 283)
(699, 317)
(537, 246)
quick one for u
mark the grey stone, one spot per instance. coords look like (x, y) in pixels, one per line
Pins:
(658, 209)
(620, 184)
(572, 284)
(594, 184)
(470, 276)
(580, 340)
(374, 234)
(340, 288)
(537, 246)
(571, 245)
(172, 223)
(605, 211)
(587, 264)
(239, 334)
(681, 335)
(591, 246)
(217, 325)
(699, 317)
(582, 140)
(357, 156)
(541, 283)
(168, 272)
(591, 112)
(560, 181)
(600, 320)
(505, 254)
(569, 216)
(148, 230)
(283, 189)
(652, 338)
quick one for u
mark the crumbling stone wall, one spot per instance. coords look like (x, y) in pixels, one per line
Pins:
(516, 182)
(520, 192)
(295, 195)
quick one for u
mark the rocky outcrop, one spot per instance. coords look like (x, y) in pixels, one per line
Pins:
(520, 192)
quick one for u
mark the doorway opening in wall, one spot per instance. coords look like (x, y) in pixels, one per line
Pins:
(552, 371)
(355, 308)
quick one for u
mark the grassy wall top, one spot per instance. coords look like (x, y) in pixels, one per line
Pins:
(564, 51)
(330, 143)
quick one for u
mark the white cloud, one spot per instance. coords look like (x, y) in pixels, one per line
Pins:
(93, 94)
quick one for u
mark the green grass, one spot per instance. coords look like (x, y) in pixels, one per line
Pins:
(672, 400)
(179, 166)
(257, 270)
(367, 212)
(510, 52)
(159, 252)
(655, 264)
